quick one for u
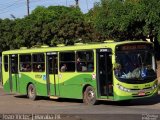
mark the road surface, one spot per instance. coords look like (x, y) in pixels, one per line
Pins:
(71, 109)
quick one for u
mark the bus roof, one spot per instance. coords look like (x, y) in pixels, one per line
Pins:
(84, 46)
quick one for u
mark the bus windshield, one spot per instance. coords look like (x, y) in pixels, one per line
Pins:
(135, 65)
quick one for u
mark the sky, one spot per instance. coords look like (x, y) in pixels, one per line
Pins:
(18, 8)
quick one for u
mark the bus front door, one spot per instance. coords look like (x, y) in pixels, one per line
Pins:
(52, 74)
(104, 72)
(13, 72)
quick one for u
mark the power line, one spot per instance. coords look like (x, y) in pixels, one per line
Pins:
(4, 4)
(54, 2)
(9, 5)
(18, 3)
(8, 10)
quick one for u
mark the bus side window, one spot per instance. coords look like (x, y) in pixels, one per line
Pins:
(85, 61)
(25, 62)
(67, 62)
(6, 63)
(38, 62)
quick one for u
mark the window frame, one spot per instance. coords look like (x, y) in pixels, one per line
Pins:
(85, 61)
(25, 62)
(41, 64)
(61, 63)
(4, 63)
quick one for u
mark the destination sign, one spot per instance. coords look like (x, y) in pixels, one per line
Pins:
(134, 47)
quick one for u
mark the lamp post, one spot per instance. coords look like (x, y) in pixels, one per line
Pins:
(77, 2)
(27, 7)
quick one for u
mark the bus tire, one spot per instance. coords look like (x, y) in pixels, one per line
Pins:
(89, 96)
(31, 93)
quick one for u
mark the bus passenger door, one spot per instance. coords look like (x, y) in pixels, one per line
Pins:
(104, 72)
(52, 74)
(13, 72)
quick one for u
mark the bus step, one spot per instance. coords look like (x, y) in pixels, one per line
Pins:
(53, 97)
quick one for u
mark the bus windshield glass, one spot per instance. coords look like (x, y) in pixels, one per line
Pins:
(137, 65)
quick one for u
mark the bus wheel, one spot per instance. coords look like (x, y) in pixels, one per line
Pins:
(31, 92)
(89, 96)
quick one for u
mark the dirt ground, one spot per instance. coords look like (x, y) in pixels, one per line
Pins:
(158, 70)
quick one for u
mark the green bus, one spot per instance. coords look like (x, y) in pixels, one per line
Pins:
(115, 71)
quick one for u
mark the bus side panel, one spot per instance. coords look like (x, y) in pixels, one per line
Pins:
(41, 87)
(14, 83)
(37, 79)
(6, 83)
(24, 79)
(40, 83)
(72, 87)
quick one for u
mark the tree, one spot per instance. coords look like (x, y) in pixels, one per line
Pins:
(59, 24)
(46, 25)
(129, 19)
(6, 34)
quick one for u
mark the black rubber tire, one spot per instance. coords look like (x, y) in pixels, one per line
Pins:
(89, 96)
(31, 93)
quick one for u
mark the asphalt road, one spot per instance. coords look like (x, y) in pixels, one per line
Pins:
(71, 109)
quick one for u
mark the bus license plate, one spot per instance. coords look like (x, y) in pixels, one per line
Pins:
(141, 93)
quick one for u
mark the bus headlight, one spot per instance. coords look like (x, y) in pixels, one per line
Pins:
(123, 88)
(154, 86)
